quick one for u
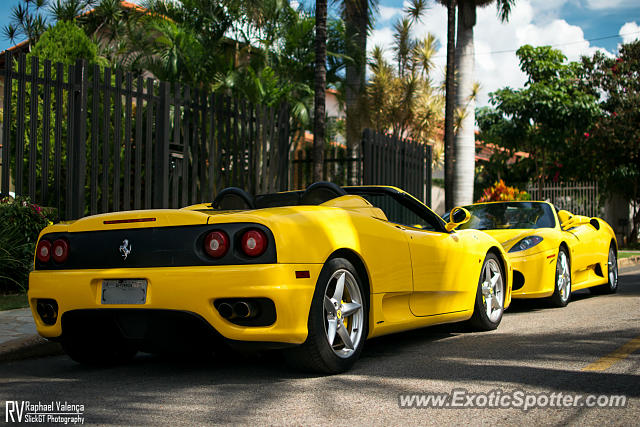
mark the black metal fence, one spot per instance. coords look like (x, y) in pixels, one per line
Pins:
(88, 140)
(380, 160)
(341, 166)
(403, 163)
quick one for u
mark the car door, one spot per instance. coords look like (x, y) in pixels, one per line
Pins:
(587, 250)
(441, 265)
(438, 258)
(579, 248)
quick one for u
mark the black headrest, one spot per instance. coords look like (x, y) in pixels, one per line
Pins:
(233, 198)
(320, 192)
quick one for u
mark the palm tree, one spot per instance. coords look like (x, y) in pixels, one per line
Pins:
(401, 98)
(449, 105)
(358, 22)
(68, 10)
(358, 18)
(320, 88)
(464, 145)
(27, 21)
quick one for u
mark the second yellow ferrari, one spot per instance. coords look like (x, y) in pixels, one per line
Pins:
(553, 252)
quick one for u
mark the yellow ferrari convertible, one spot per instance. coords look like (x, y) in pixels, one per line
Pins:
(315, 272)
(552, 252)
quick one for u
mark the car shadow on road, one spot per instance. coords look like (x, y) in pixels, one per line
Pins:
(235, 388)
(400, 363)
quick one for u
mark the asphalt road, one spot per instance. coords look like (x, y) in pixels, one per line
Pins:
(536, 349)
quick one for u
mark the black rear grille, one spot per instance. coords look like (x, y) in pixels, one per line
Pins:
(155, 247)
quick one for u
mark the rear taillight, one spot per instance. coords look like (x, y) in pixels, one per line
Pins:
(254, 243)
(60, 250)
(43, 251)
(216, 244)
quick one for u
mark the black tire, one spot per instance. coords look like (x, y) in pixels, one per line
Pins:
(611, 287)
(480, 320)
(316, 354)
(561, 296)
(98, 352)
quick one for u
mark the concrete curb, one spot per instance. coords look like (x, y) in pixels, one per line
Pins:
(29, 347)
(629, 262)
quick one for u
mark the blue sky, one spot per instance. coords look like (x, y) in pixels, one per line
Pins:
(5, 15)
(596, 18)
(571, 25)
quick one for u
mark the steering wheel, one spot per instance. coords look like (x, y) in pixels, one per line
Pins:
(232, 199)
(320, 192)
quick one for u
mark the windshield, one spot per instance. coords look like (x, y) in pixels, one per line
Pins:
(510, 215)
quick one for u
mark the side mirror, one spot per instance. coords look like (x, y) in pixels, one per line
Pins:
(566, 219)
(458, 217)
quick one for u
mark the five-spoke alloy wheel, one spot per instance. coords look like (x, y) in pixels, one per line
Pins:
(612, 265)
(562, 286)
(343, 311)
(489, 305)
(338, 321)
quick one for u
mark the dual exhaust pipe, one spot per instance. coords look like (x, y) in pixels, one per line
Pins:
(237, 310)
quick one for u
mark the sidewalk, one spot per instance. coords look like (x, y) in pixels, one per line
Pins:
(16, 324)
(634, 259)
(19, 339)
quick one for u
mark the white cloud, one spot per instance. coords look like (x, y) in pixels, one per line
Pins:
(629, 32)
(610, 4)
(568, 38)
(382, 37)
(386, 12)
(547, 10)
(495, 42)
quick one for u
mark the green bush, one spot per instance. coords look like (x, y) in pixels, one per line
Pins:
(20, 225)
(66, 43)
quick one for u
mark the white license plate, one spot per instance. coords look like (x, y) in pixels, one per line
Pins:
(124, 291)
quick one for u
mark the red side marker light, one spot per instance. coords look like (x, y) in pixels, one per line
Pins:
(303, 274)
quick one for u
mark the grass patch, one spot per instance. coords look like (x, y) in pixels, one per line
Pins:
(626, 254)
(9, 302)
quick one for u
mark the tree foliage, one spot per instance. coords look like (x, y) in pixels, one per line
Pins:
(547, 117)
(501, 192)
(20, 224)
(611, 149)
(28, 20)
(401, 97)
(66, 43)
(576, 120)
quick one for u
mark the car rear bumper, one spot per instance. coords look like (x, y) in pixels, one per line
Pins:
(539, 274)
(189, 290)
